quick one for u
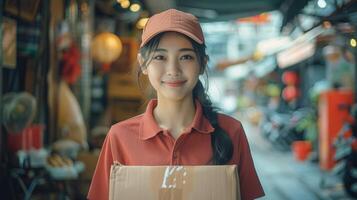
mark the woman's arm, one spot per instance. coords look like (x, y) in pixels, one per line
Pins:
(99, 188)
(250, 186)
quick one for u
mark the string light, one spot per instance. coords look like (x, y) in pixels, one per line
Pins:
(124, 3)
(322, 3)
(135, 7)
(353, 42)
(141, 23)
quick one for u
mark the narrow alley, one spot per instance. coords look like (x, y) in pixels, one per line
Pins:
(284, 178)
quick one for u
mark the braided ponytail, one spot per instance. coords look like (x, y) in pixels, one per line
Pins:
(222, 145)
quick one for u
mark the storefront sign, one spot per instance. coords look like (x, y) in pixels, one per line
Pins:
(295, 54)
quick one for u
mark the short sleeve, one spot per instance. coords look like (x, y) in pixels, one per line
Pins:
(99, 188)
(250, 186)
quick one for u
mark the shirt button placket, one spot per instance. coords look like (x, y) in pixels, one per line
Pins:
(176, 152)
(175, 157)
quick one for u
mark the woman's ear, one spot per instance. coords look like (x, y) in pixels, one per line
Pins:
(141, 62)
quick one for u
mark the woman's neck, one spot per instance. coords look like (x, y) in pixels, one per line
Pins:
(175, 116)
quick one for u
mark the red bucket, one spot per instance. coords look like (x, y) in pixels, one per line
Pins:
(301, 150)
(29, 138)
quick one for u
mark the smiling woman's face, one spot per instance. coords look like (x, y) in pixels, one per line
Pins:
(174, 68)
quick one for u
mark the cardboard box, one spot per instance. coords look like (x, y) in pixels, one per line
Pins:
(209, 182)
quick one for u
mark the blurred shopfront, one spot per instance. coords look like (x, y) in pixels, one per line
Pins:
(306, 103)
(68, 72)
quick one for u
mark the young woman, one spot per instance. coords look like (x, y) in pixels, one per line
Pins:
(180, 127)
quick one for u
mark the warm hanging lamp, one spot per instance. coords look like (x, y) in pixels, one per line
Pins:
(106, 48)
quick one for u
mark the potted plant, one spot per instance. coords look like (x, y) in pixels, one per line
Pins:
(308, 127)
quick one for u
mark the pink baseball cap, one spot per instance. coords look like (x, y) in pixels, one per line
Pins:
(172, 20)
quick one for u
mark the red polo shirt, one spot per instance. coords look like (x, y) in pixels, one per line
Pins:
(140, 141)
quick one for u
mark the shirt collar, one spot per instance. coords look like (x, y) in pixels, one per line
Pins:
(149, 127)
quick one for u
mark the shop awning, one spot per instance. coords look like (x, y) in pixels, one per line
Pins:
(209, 10)
(213, 10)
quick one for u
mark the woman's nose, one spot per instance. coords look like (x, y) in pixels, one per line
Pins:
(173, 68)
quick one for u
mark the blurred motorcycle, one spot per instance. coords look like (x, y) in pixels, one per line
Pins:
(346, 153)
(281, 129)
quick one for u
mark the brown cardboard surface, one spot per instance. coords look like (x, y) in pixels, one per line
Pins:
(209, 182)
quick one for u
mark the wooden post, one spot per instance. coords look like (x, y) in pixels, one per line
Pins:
(56, 16)
(2, 144)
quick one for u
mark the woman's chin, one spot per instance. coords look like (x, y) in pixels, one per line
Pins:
(175, 96)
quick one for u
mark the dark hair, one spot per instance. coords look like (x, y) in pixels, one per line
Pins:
(222, 145)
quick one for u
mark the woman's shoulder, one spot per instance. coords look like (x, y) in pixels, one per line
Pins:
(230, 124)
(225, 119)
(130, 125)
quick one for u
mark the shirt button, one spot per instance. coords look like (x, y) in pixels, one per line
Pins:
(175, 155)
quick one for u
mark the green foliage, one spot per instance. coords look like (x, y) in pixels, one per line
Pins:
(308, 125)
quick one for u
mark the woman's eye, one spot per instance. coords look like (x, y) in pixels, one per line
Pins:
(187, 57)
(158, 57)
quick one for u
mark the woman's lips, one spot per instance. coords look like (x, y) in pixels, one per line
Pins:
(174, 83)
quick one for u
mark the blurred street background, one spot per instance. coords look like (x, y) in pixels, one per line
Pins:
(285, 68)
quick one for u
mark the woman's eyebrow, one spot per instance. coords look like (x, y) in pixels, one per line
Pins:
(187, 49)
(158, 50)
(183, 49)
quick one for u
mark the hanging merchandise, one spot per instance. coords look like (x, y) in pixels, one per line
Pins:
(290, 78)
(70, 67)
(272, 90)
(29, 37)
(69, 118)
(9, 43)
(290, 93)
(69, 55)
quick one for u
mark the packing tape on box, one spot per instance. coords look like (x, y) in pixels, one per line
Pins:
(175, 177)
